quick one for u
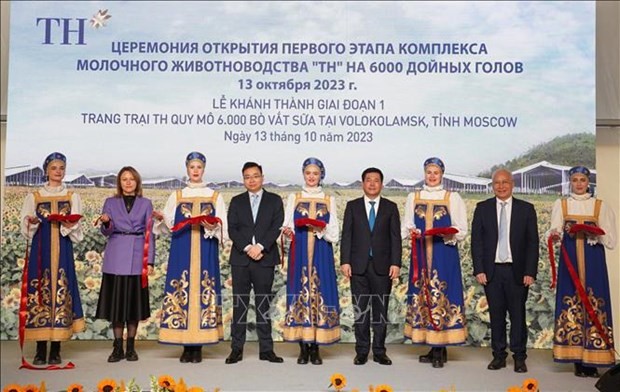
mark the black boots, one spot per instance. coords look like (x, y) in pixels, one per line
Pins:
(191, 354)
(54, 358)
(41, 354)
(131, 354)
(304, 353)
(315, 358)
(437, 356)
(117, 351)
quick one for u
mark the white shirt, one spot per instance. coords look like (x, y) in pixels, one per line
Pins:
(367, 201)
(75, 233)
(193, 190)
(584, 205)
(458, 212)
(332, 230)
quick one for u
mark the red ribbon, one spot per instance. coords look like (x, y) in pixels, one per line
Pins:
(196, 220)
(145, 253)
(23, 314)
(303, 222)
(424, 291)
(552, 259)
(584, 297)
(72, 218)
(588, 229)
(439, 231)
(291, 251)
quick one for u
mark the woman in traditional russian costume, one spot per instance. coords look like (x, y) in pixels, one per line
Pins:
(128, 259)
(436, 220)
(312, 309)
(54, 309)
(586, 226)
(192, 305)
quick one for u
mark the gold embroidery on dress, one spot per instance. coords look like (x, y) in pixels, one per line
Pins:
(44, 209)
(64, 303)
(321, 210)
(206, 209)
(64, 207)
(319, 314)
(303, 208)
(39, 311)
(186, 210)
(174, 302)
(439, 212)
(211, 314)
(445, 315)
(420, 210)
(569, 324)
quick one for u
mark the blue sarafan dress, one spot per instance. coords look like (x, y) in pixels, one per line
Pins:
(54, 309)
(576, 338)
(435, 311)
(312, 308)
(192, 304)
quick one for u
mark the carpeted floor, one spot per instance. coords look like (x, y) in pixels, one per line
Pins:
(465, 371)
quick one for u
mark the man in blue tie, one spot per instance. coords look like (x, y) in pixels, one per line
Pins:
(504, 247)
(254, 221)
(370, 253)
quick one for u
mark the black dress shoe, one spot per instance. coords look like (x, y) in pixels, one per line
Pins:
(360, 359)
(270, 356)
(235, 356)
(382, 359)
(520, 366)
(196, 355)
(497, 363)
(187, 355)
(54, 358)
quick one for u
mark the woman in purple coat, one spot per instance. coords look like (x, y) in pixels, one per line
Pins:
(124, 295)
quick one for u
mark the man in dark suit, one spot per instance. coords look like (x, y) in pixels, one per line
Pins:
(370, 255)
(504, 247)
(254, 221)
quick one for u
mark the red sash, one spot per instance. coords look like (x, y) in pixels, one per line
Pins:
(72, 218)
(303, 222)
(424, 291)
(145, 253)
(584, 297)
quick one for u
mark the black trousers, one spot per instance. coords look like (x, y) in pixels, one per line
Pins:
(371, 295)
(504, 295)
(244, 279)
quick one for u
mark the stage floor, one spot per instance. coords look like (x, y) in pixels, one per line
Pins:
(465, 371)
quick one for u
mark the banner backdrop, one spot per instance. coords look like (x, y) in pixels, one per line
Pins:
(357, 84)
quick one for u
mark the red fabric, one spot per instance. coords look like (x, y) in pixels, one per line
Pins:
(584, 297)
(552, 259)
(195, 220)
(424, 291)
(309, 222)
(145, 253)
(588, 229)
(64, 218)
(441, 231)
(414, 257)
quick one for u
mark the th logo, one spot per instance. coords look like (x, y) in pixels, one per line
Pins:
(66, 31)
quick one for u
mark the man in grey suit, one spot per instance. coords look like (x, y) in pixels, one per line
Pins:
(370, 253)
(254, 221)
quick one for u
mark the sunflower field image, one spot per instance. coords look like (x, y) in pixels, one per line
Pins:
(89, 257)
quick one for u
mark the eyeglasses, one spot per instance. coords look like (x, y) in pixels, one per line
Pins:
(254, 177)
